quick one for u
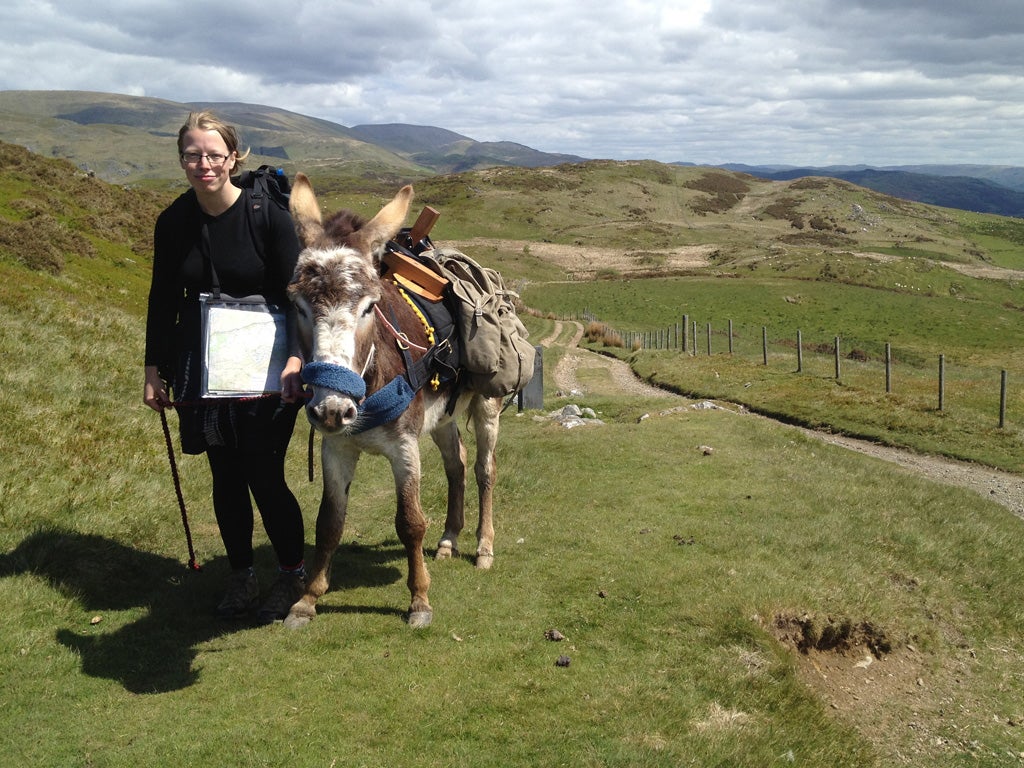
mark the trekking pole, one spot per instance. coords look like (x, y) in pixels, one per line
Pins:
(192, 564)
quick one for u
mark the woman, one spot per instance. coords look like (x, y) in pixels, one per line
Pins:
(211, 227)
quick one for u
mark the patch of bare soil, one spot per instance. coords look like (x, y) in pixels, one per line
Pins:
(852, 665)
(879, 687)
(579, 261)
(987, 271)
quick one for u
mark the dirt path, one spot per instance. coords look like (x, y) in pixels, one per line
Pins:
(579, 261)
(1002, 487)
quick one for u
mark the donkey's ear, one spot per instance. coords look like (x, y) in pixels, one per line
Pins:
(385, 225)
(305, 211)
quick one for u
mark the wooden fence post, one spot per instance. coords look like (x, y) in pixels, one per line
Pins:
(686, 328)
(837, 357)
(709, 339)
(1002, 400)
(694, 336)
(888, 368)
(764, 343)
(942, 382)
(799, 351)
(730, 337)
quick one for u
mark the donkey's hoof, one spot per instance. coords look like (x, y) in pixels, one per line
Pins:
(420, 619)
(446, 551)
(296, 622)
(299, 616)
(483, 562)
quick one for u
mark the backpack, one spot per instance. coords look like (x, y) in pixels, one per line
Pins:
(495, 352)
(265, 185)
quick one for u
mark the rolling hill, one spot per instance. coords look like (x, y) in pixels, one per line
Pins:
(449, 152)
(128, 139)
(983, 189)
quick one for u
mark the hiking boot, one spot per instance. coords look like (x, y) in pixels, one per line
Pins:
(242, 594)
(286, 591)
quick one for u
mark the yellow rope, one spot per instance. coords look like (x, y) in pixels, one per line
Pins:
(435, 382)
(426, 325)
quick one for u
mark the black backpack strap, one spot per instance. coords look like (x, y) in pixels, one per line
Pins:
(255, 210)
(204, 247)
(257, 186)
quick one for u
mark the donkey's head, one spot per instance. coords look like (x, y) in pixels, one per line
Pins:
(335, 289)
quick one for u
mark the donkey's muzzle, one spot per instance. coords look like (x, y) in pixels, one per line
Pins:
(331, 412)
(337, 392)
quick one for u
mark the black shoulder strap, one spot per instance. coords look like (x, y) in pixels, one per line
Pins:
(257, 204)
(204, 246)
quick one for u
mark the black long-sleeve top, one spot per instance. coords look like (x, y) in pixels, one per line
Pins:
(243, 268)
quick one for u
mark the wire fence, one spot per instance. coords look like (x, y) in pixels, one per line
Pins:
(864, 363)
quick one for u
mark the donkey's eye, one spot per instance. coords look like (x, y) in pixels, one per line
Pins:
(369, 308)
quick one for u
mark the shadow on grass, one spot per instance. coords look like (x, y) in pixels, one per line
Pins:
(155, 653)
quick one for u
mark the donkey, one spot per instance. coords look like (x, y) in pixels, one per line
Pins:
(353, 327)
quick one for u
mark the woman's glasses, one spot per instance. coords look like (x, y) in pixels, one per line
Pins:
(194, 158)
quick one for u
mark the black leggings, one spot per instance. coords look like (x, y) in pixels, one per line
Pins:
(258, 468)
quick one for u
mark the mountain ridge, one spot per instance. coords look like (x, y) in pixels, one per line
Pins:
(981, 189)
(130, 139)
(113, 136)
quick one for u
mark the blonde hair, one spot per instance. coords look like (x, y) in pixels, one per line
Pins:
(208, 121)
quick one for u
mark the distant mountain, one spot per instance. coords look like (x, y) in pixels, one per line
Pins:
(131, 138)
(934, 185)
(450, 152)
(1006, 175)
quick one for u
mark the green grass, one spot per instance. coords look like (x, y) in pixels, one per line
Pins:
(973, 324)
(669, 572)
(662, 634)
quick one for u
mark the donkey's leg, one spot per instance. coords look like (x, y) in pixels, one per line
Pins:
(486, 413)
(338, 459)
(411, 526)
(453, 452)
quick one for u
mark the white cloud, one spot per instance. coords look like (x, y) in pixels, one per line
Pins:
(843, 81)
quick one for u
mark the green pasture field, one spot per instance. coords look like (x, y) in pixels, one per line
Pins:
(668, 572)
(975, 325)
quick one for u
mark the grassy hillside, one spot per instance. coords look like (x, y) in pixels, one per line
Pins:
(128, 139)
(779, 601)
(981, 195)
(647, 206)
(52, 214)
(125, 139)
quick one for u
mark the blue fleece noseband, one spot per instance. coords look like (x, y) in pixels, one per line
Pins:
(336, 377)
(385, 405)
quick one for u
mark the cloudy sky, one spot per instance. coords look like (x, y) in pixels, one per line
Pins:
(800, 82)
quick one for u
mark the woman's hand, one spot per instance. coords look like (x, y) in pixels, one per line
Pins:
(291, 381)
(154, 392)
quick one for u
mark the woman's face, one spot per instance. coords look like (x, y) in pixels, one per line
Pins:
(207, 161)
